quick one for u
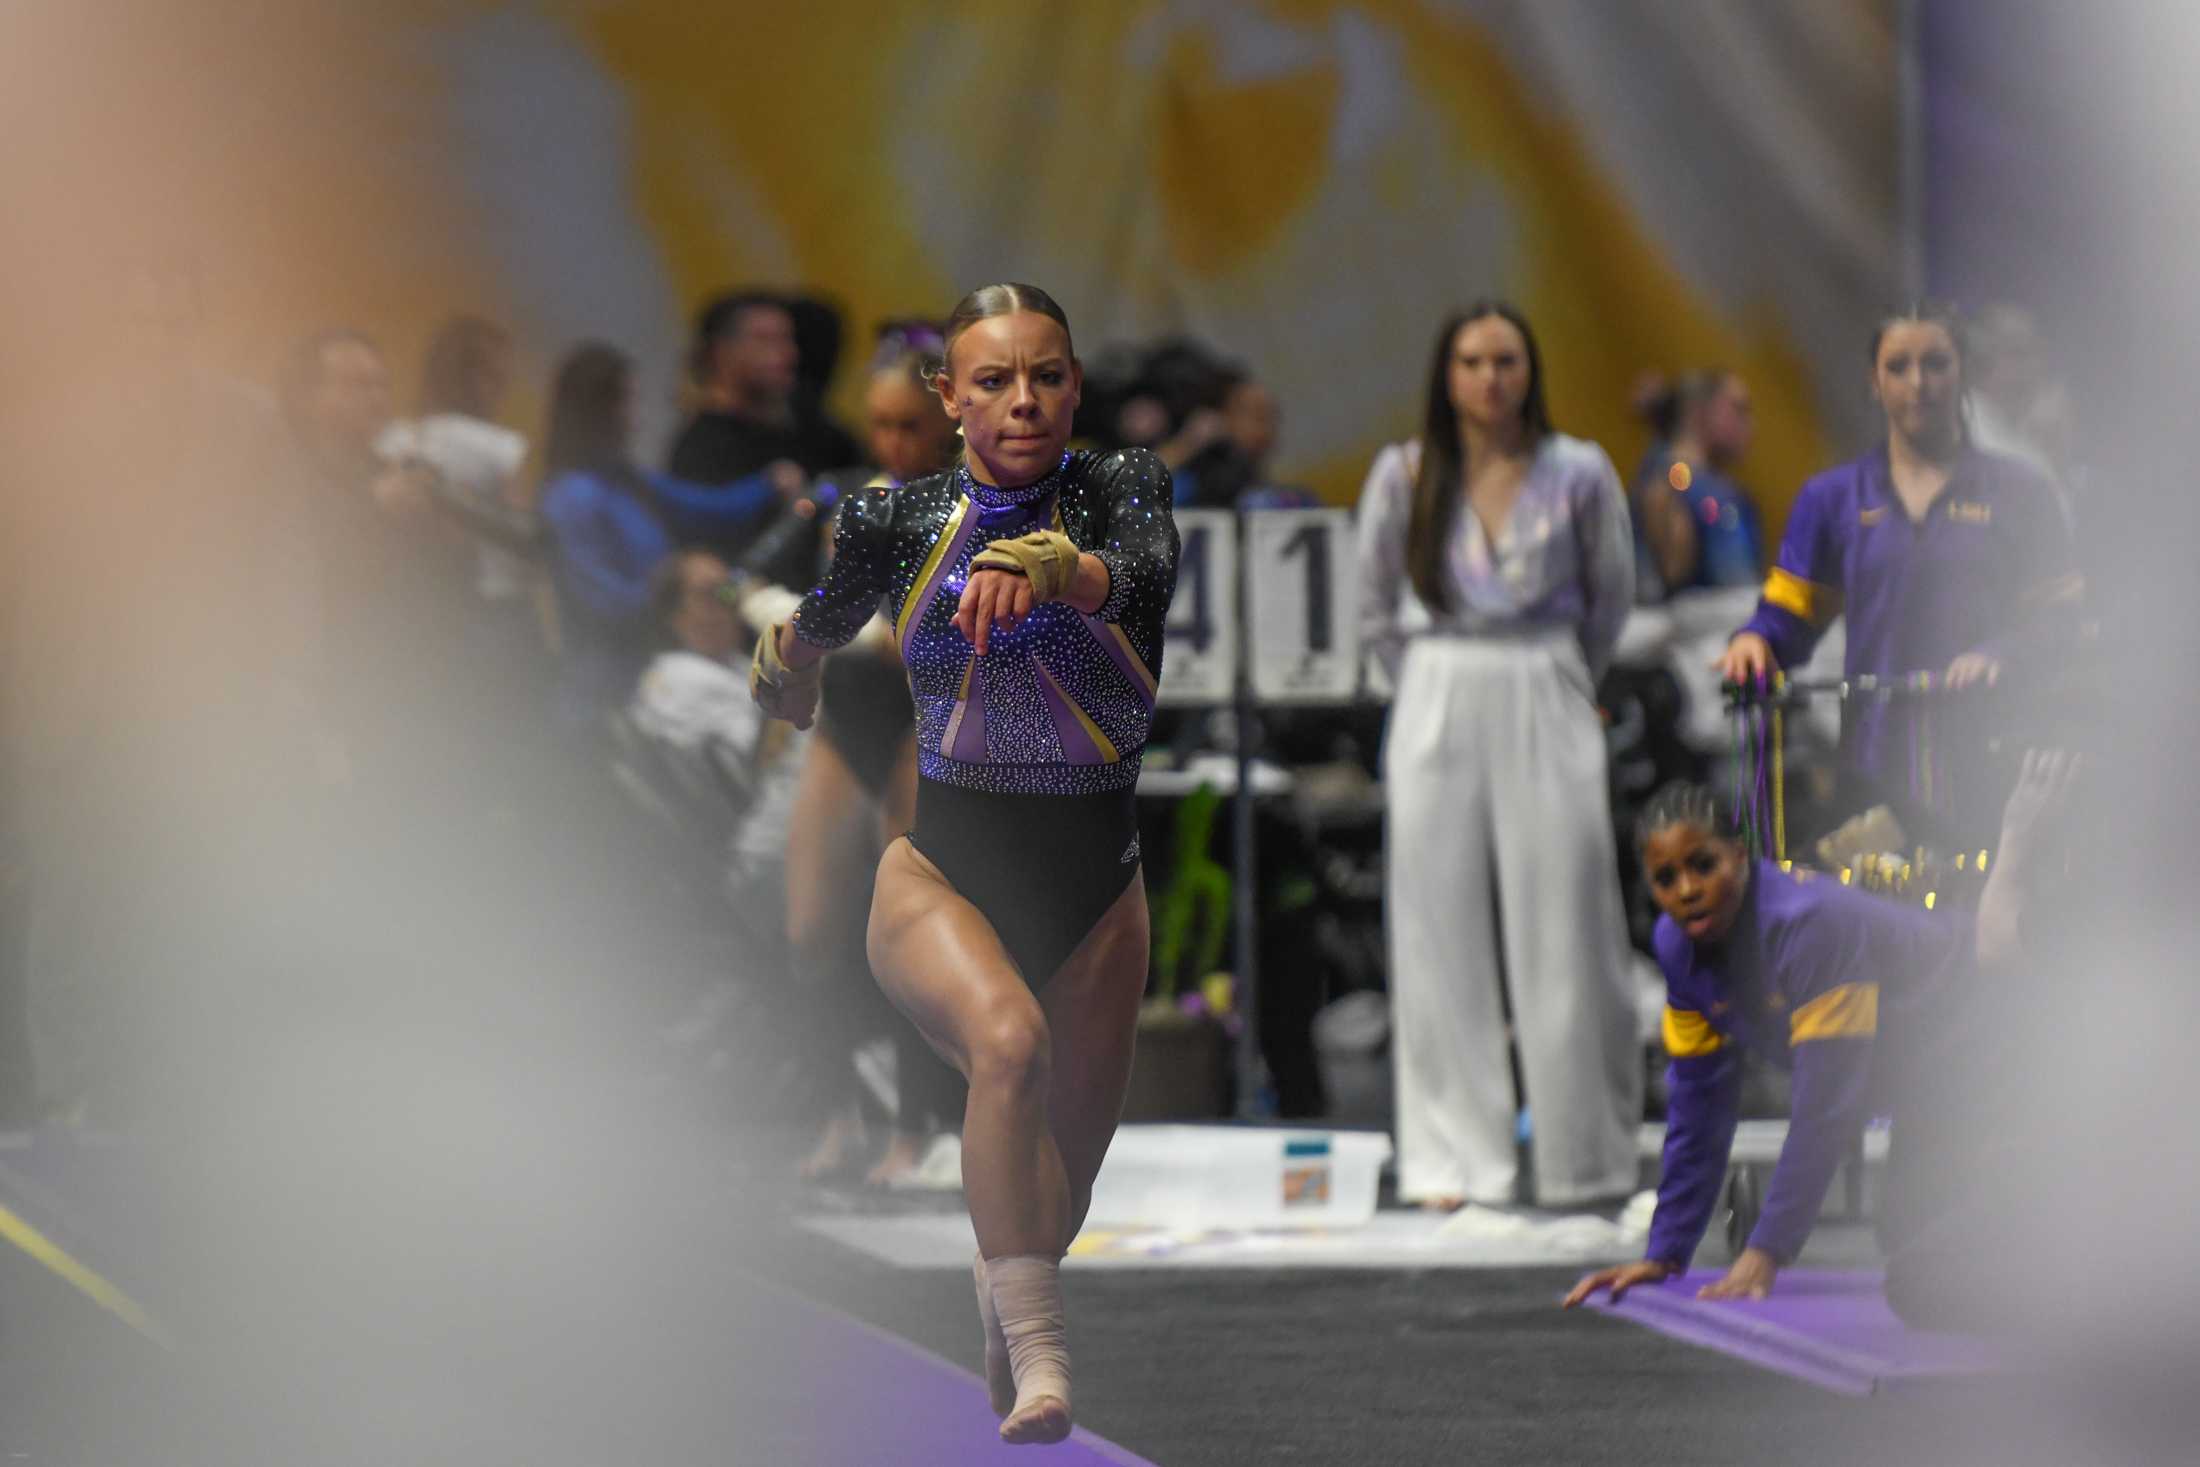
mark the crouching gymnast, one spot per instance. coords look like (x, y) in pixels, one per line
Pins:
(1028, 586)
(1840, 986)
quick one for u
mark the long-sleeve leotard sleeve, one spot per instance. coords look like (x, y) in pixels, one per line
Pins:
(861, 571)
(1135, 539)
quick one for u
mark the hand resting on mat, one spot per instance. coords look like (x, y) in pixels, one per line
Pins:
(1750, 1277)
(1619, 1280)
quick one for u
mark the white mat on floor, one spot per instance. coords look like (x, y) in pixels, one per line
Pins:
(1470, 1238)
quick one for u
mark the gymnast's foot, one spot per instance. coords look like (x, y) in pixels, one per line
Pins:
(1027, 1299)
(1039, 1422)
(1000, 1380)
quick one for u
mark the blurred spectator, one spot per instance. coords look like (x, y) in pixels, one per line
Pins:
(907, 432)
(858, 792)
(750, 417)
(1219, 459)
(611, 525)
(1695, 528)
(800, 844)
(393, 570)
(465, 380)
(1252, 419)
(2020, 407)
(1110, 376)
(1212, 421)
(818, 329)
(693, 696)
(463, 386)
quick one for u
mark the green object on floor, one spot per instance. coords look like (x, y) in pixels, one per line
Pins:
(1197, 897)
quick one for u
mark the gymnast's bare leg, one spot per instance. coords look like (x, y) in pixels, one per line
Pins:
(1047, 1075)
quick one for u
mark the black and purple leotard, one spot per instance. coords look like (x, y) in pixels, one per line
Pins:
(1028, 756)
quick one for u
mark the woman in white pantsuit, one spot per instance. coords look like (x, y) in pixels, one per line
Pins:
(1496, 565)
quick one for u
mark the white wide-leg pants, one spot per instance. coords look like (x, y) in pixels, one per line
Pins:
(1500, 869)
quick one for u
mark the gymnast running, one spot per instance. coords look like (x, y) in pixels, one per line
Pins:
(1028, 586)
(1808, 973)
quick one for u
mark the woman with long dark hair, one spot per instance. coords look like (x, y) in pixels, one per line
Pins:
(1028, 588)
(1496, 566)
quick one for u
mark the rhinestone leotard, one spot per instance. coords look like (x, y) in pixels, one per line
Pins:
(1060, 704)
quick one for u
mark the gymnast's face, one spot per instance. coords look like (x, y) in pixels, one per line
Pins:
(1918, 379)
(1696, 878)
(1013, 386)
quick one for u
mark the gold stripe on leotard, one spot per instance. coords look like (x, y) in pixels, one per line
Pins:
(1138, 664)
(1100, 741)
(921, 592)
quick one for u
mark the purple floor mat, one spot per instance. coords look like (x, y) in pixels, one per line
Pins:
(1831, 1329)
(807, 1383)
(906, 1405)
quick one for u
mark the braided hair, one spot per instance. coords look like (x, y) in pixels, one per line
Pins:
(1682, 802)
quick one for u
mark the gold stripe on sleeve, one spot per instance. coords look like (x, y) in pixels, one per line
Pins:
(1850, 1011)
(1689, 1035)
(1812, 602)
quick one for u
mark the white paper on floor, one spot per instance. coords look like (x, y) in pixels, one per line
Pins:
(1563, 1236)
